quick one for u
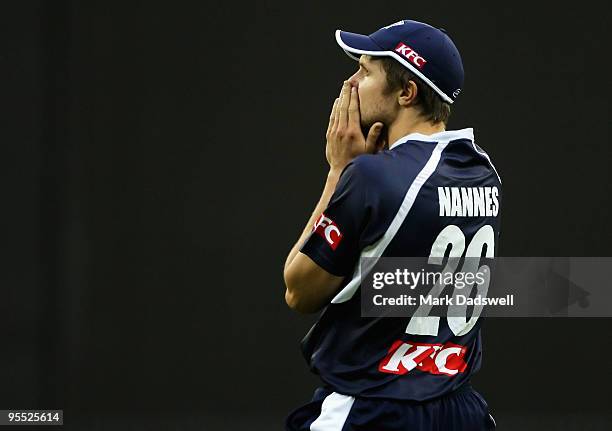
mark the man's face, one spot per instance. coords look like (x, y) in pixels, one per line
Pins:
(371, 83)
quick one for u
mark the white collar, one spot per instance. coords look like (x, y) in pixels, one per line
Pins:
(445, 136)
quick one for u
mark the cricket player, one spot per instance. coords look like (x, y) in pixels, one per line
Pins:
(399, 184)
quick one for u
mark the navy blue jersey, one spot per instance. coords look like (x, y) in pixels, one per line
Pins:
(427, 195)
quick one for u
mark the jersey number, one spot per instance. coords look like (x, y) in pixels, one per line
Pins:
(453, 236)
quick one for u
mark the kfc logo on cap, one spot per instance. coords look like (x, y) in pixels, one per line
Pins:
(328, 230)
(410, 54)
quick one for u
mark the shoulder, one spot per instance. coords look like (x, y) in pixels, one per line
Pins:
(368, 167)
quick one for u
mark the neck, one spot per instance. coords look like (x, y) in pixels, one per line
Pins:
(405, 126)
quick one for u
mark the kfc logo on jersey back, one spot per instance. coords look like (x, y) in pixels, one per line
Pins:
(410, 54)
(446, 359)
(328, 230)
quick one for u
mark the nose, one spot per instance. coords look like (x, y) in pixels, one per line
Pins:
(354, 81)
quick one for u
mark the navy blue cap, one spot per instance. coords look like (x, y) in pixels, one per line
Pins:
(427, 51)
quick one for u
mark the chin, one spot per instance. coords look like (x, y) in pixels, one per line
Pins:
(366, 123)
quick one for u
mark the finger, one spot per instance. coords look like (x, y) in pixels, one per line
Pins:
(332, 116)
(353, 109)
(336, 111)
(372, 138)
(344, 102)
(337, 118)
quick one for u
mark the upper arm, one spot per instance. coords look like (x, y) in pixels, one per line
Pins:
(309, 287)
(333, 247)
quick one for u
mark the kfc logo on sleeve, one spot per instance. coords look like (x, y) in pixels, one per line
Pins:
(328, 230)
(410, 54)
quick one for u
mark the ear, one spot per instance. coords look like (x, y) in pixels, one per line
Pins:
(408, 94)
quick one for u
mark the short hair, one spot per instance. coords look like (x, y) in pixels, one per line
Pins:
(432, 106)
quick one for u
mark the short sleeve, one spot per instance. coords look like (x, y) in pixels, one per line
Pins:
(334, 241)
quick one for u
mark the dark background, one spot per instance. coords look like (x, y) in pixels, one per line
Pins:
(161, 158)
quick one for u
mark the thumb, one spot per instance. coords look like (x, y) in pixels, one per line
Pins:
(373, 136)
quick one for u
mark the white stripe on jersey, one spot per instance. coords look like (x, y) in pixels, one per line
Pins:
(376, 250)
(447, 136)
(481, 152)
(334, 411)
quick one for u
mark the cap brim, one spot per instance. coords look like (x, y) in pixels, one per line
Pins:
(353, 43)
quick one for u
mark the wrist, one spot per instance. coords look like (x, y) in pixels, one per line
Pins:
(334, 173)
